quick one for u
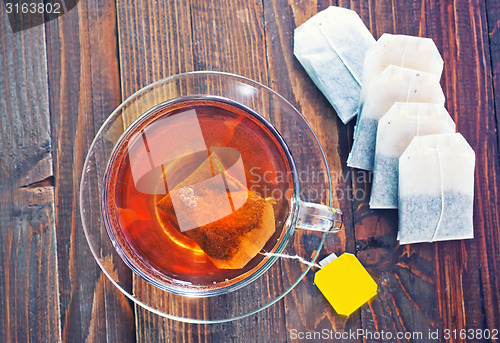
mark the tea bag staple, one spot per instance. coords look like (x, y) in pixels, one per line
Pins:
(436, 189)
(394, 84)
(403, 51)
(395, 131)
(331, 46)
(230, 234)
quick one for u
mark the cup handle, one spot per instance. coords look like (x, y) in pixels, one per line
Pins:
(316, 217)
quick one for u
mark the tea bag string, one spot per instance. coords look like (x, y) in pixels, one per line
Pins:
(418, 124)
(408, 91)
(338, 53)
(404, 55)
(440, 164)
(293, 257)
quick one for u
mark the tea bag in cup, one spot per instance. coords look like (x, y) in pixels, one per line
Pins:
(331, 46)
(436, 189)
(396, 129)
(394, 84)
(403, 51)
(213, 206)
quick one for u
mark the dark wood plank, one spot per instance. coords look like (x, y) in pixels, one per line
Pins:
(155, 42)
(29, 290)
(84, 89)
(308, 310)
(493, 264)
(446, 285)
(183, 36)
(493, 19)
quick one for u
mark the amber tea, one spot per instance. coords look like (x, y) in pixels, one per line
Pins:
(195, 191)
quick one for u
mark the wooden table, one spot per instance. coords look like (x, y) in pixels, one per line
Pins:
(59, 81)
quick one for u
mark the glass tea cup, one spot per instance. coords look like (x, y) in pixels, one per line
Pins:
(167, 132)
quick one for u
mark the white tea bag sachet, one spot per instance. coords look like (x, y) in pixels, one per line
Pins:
(331, 46)
(392, 85)
(396, 129)
(436, 189)
(403, 51)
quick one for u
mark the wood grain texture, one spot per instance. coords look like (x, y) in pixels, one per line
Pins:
(493, 21)
(84, 83)
(29, 290)
(155, 41)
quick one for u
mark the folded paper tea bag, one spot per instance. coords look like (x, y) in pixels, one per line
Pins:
(345, 283)
(436, 189)
(230, 223)
(403, 51)
(394, 84)
(396, 129)
(331, 46)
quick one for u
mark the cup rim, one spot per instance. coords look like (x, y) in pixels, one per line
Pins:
(176, 286)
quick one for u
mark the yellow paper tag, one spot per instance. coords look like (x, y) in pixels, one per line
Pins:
(345, 283)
